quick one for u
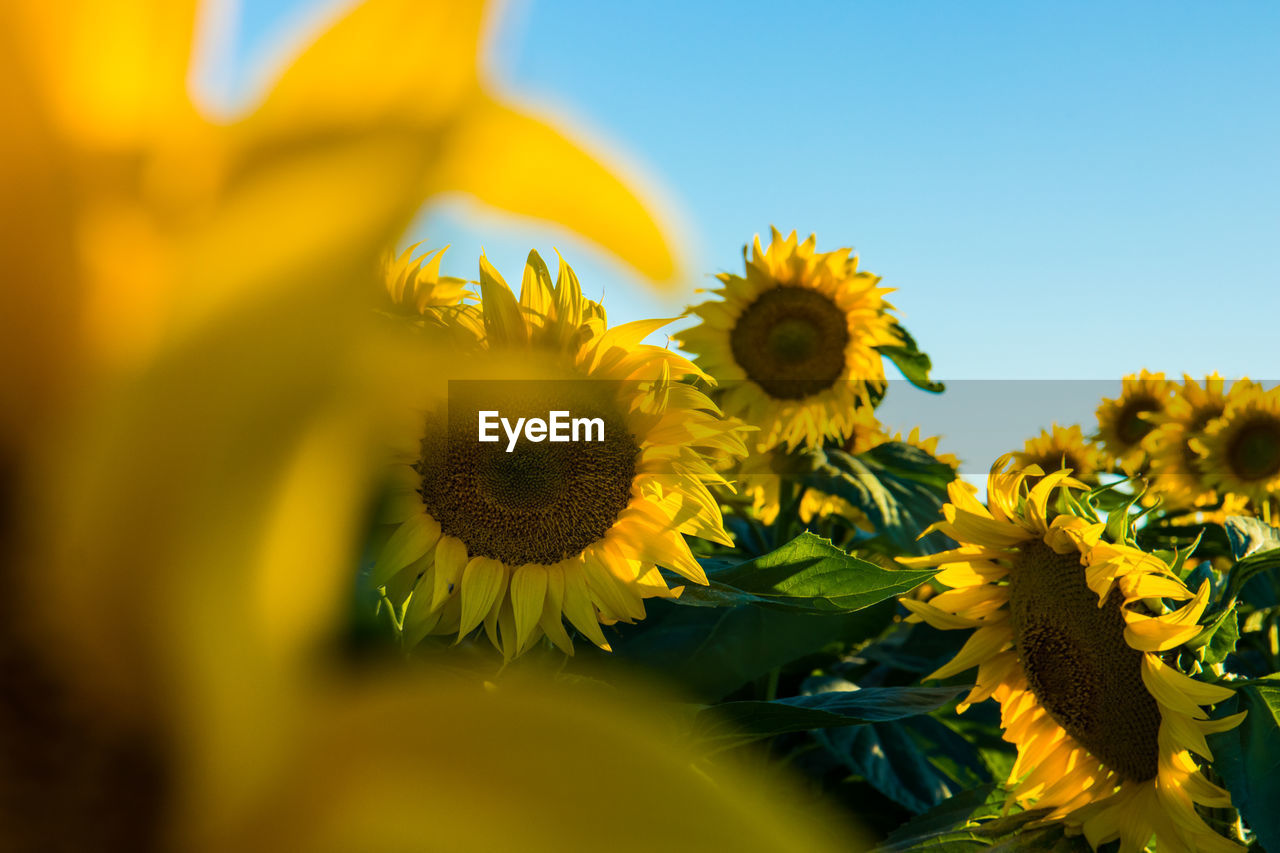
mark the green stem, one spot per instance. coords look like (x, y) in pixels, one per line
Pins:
(1265, 681)
(771, 686)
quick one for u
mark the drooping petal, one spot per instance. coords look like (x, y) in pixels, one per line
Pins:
(528, 596)
(985, 643)
(483, 582)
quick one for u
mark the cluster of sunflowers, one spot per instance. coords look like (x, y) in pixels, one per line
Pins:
(266, 588)
(1100, 647)
(1208, 449)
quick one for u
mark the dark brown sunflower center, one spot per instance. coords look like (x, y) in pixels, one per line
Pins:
(1056, 460)
(1078, 664)
(542, 502)
(791, 342)
(1254, 451)
(1131, 427)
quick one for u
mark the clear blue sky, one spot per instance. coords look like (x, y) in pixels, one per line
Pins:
(1058, 190)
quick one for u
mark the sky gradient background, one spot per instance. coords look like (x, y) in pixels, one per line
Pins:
(1059, 191)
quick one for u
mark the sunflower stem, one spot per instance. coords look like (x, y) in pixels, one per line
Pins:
(1265, 681)
(771, 686)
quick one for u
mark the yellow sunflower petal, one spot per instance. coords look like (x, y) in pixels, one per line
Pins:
(1178, 691)
(451, 559)
(413, 538)
(972, 527)
(939, 618)
(578, 608)
(528, 595)
(1160, 633)
(483, 582)
(551, 621)
(982, 645)
(518, 163)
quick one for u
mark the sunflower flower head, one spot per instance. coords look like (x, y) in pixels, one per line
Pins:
(1125, 421)
(1240, 451)
(794, 341)
(928, 444)
(1061, 447)
(1175, 474)
(518, 536)
(1076, 629)
(760, 476)
(414, 283)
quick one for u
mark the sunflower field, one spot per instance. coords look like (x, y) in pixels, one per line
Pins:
(317, 536)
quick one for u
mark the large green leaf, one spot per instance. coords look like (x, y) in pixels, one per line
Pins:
(901, 489)
(914, 364)
(1248, 759)
(808, 574)
(973, 821)
(1224, 638)
(915, 647)
(917, 762)
(1255, 565)
(1250, 536)
(731, 723)
(710, 652)
(950, 826)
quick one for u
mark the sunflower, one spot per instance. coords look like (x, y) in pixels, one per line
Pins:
(1074, 643)
(516, 536)
(795, 341)
(1126, 420)
(414, 283)
(415, 291)
(818, 504)
(759, 476)
(1174, 462)
(1240, 452)
(1063, 447)
(928, 445)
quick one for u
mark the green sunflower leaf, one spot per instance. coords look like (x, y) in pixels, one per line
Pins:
(952, 826)
(976, 820)
(1248, 759)
(914, 364)
(917, 762)
(808, 574)
(733, 723)
(1224, 638)
(708, 652)
(901, 489)
(1258, 562)
(1250, 536)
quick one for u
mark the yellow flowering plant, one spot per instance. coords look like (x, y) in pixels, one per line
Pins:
(186, 394)
(303, 549)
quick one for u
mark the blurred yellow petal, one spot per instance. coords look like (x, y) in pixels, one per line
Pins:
(356, 781)
(521, 164)
(110, 71)
(407, 63)
(36, 353)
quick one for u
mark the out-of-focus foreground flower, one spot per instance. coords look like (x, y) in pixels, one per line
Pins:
(184, 389)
